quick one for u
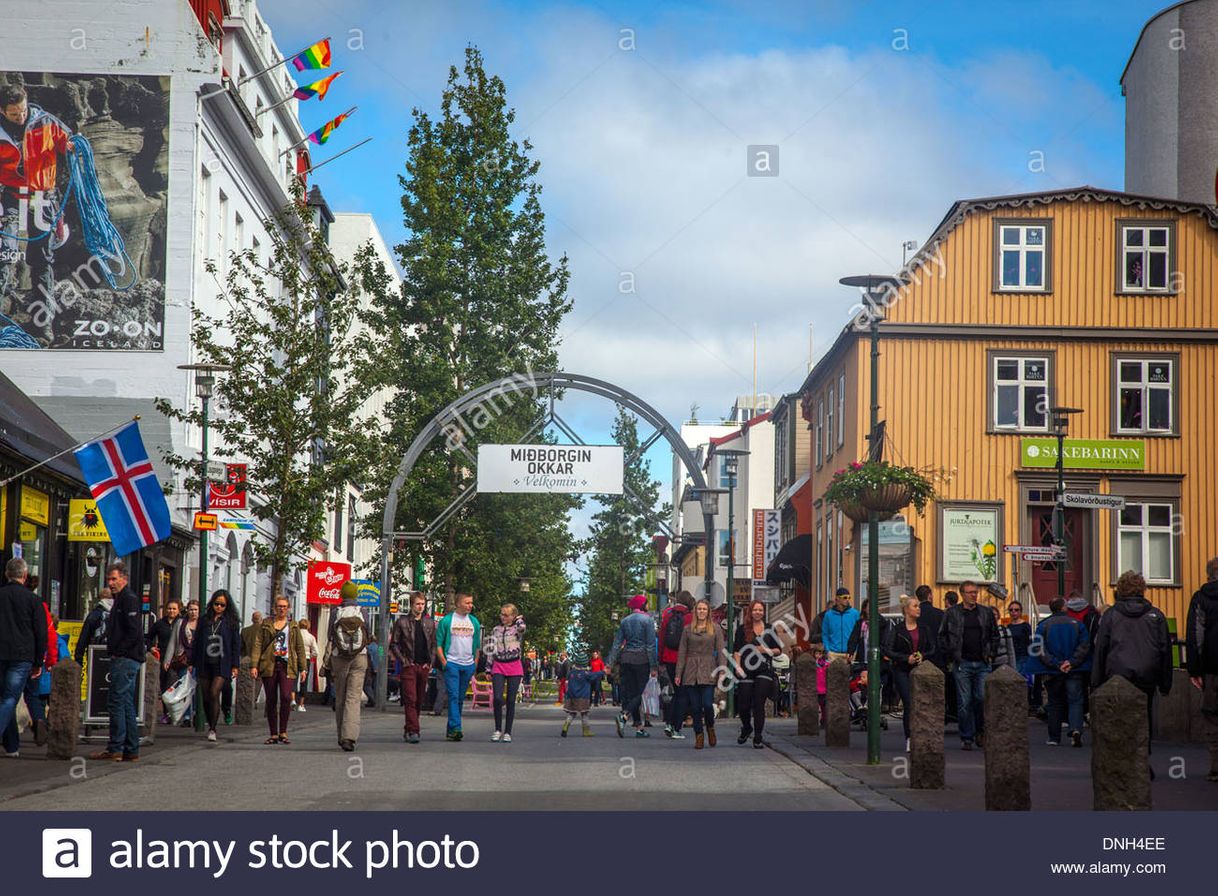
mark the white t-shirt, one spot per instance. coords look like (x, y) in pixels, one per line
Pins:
(461, 641)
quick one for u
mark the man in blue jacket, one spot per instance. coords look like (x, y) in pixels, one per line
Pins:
(1061, 651)
(835, 624)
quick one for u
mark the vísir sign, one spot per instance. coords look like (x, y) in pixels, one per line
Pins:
(550, 469)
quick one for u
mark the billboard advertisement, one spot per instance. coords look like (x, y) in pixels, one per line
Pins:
(84, 177)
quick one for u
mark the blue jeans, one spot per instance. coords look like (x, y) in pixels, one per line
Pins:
(13, 677)
(456, 680)
(970, 678)
(1065, 701)
(699, 699)
(120, 703)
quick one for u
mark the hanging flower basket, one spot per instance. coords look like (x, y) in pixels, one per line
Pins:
(878, 486)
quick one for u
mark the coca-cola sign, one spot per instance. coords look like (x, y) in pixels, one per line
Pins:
(326, 581)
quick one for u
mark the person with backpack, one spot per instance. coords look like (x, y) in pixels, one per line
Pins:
(1201, 642)
(1064, 659)
(94, 629)
(277, 658)
(672, 624)
(458, 640)
(1132, 641)
(346, 664)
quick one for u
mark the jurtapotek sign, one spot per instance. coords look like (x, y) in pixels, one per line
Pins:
(550, 469)
(1085, 454)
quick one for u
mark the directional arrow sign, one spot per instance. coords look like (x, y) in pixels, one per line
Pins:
(1083, 499)
(1032, 549)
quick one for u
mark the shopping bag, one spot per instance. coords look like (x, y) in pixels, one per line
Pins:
(651, 698)
(178, 696)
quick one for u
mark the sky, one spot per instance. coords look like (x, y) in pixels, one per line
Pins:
(641, 115)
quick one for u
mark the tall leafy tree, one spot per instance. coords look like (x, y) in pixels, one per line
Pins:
(620, 543)
(287, 405)
(480, 299)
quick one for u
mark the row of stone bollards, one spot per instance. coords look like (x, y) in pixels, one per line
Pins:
(64, 705)
(1120, 755)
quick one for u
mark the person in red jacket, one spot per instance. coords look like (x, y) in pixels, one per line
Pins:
(31, 141)
(672, 622)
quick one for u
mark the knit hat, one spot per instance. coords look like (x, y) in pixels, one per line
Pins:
(638, 602)
(579, 656)
(349, 592)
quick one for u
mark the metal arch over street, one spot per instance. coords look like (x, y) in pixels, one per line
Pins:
(452, 416)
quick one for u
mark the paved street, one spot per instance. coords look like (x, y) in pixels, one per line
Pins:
(539, 770)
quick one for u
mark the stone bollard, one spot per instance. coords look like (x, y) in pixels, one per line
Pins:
(245, 696)
(837, 704)
(927, 766)
(63, 709)
(152, 695)
(1008, 772)
(1120, 754)
(805, 691)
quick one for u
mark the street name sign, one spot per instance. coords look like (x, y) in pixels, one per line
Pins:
(550, 469)
(1086, 500)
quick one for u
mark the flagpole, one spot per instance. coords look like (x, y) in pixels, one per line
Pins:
(283, 61)
(332, 158)
(67, 450)
(288, 98)
(306, 138)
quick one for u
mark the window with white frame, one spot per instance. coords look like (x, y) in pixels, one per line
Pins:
(841, 552)
(841, 410)
(1022, 257)
(830, 555)
(1020, 392)
(1146, 541)
(820, 433)
(1146, 258)
(819, 574)
(1144, 395)
(832, 400)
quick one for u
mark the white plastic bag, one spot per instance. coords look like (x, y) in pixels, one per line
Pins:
(178, 696)
(651, 698)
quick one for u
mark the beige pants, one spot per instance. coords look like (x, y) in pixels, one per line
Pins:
(348, 693)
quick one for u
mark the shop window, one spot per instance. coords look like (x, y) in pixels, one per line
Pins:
(1019, 393)
(1146, 257)
(1145, 395)
(1146, 541)
(820, 434)
(829, 422)
(841, 410)
(1021, 256)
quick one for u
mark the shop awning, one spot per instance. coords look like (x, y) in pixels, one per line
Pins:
(792, 563)
(29, 432)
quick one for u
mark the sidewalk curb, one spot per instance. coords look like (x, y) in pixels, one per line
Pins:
(849, 787)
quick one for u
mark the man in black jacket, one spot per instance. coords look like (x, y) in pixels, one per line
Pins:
(1202, 644)
(969, 639)
(931, 616)
(23, 647)
(125, 643)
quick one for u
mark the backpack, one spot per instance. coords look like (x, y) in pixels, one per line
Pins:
(672, 630)
(350, 637)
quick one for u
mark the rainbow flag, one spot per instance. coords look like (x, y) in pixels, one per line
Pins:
(322, 134)
(316, 56)
(316, 89)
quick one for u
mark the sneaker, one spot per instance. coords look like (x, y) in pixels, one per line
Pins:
(302, 708)
(16, 754)
(743, 738)
(642, 732)
(507, 738)
(211, 736)
(677, 735)
(1053, 743)
(620, 721)
(106, 756)
(413, 739)
(451, 735)
(758, 745)
(228, 718)
(1076, 738)
(966, 745)
(496, 736)
(668, 730)
(457, 735)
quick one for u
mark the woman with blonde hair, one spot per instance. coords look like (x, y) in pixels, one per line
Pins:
(906, 645)
(697, 658)
(503, 650)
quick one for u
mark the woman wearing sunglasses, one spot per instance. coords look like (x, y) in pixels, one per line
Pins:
(216, 653)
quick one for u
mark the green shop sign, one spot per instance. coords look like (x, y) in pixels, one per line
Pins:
(1085, 454)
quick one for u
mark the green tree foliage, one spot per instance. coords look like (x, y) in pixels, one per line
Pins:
(287, 405)
(479, 300)
(620, 543)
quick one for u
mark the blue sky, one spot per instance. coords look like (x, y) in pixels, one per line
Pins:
(640, 114)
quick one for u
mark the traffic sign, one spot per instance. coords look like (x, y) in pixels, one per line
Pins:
(1033, 549)
(1087, 500)
(206, 522)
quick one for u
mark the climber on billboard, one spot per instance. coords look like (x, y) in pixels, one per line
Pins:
(31, 141)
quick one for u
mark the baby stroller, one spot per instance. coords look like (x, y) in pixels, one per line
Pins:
(858, 699)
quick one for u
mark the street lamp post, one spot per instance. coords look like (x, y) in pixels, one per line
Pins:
(731, 466)
(872, 284)
(205, 381)
(1061, 421)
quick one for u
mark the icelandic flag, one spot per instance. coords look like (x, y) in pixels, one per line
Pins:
(124, 485)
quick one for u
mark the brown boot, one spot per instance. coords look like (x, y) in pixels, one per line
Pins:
(698, 741)
(710, 735)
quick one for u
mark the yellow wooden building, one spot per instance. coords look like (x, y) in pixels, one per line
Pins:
(1088, 298)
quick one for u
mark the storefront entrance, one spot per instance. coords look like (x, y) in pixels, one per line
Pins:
(1077, 534)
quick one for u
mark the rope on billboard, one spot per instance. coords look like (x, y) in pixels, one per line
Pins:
(12, 336)
(101, 238)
